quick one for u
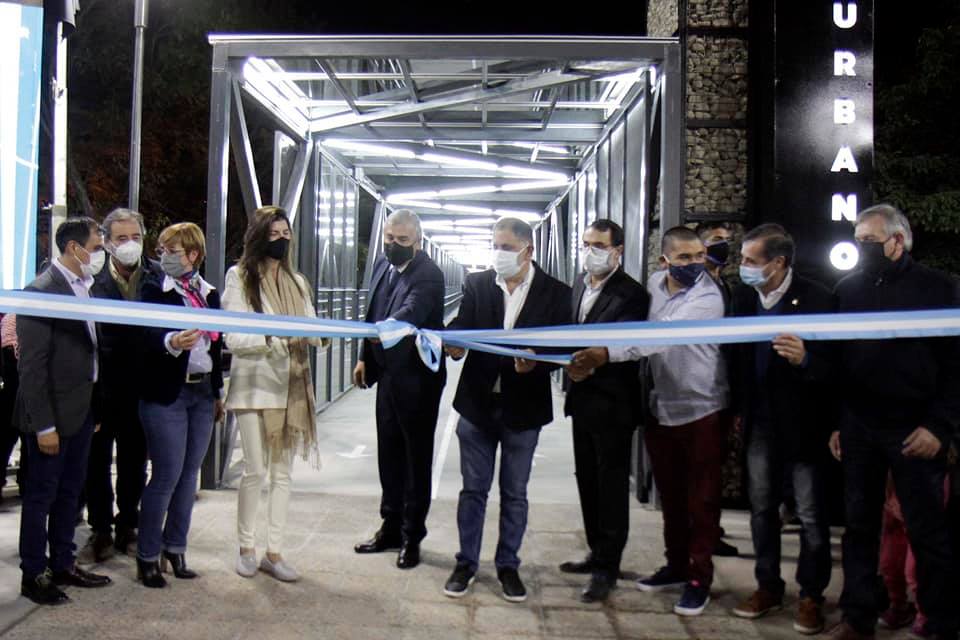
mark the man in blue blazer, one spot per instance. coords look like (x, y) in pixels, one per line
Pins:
(406, 285)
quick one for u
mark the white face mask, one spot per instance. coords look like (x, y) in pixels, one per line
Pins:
(507, 263)
(597, 261)
(97, 260)
(128, 253)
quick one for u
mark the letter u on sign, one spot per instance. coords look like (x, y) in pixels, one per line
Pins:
(845, 14)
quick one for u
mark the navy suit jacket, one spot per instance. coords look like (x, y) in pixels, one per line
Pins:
(417, 298)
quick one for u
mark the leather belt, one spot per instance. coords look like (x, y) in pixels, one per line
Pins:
(195, 378)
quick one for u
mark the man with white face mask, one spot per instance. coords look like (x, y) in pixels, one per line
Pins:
(125, 270)
(503, 402)
(787, 408)
(602, 403)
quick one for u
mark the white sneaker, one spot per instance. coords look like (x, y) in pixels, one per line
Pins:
(247, 565)
(279, 570)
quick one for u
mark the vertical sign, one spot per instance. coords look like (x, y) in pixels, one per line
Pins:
(21, 41)
(823, 140)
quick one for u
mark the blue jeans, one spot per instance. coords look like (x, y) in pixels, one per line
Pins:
(767, 460)
(177, 439)
(478, 454)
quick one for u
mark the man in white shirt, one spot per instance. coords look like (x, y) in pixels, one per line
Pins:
(57, 418)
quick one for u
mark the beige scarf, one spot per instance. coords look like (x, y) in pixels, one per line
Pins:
(293, 430)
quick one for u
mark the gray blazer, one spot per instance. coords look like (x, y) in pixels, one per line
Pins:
(56, 367)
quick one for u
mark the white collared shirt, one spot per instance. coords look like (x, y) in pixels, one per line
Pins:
(200, 358)
(513, 304)
(590, 294)
(771, 300)
(81, 289)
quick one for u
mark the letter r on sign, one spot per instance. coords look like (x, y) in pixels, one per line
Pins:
(843, 63)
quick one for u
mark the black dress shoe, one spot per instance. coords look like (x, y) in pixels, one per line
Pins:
(77, 577)
(598, 589)
(41, 590)
(573, 566)
(178, 563)
(409, 556)
(149, 574)
(380, 542)
(125, 539)
(725, 550)
(99, 548)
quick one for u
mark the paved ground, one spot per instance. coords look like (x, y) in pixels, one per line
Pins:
(343, 595)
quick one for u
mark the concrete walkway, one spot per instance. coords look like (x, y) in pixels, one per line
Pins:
(343, 595)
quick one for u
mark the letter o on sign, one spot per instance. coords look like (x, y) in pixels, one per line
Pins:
(844, 256)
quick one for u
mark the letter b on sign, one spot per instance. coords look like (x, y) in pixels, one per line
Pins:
(844, 111)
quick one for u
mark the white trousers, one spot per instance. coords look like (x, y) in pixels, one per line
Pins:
(257, 463)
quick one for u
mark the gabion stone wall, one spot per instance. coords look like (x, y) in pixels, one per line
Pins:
(716, 101)
(662, 18)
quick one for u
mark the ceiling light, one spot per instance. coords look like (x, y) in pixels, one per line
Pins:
(534, 173)
(465, 208)
(370, 149)
(411, 196)
(466, 191)
(455, 161)
(534, 185)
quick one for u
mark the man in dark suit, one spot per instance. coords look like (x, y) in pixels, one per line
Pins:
(502, 401)
(58, 364)
(603, 404)
(121, 279)
(406, 285)
(781, 393)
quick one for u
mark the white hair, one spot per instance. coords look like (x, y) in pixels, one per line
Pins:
(122, 215)
(406, 217)
(893, 221)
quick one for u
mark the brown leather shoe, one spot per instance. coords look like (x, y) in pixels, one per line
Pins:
(844, 631)
(759, 604)
(809, 619)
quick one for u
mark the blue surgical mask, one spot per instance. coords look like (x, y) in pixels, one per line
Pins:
(687, 274)
(753, 276)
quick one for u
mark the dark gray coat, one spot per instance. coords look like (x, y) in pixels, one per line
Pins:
(56, 366)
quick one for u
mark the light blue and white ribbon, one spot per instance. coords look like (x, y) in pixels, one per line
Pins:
(847, 326)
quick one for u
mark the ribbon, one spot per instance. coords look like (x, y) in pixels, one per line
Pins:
(429, 343)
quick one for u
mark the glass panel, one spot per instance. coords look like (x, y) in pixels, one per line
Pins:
(635, 222)
(603, 180)
(615, 182)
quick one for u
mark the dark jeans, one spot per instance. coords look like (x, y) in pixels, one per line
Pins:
(8, 433)
(602, 454)
(405, 460)
(178, 436)
(52, 492)
(121, 423)
(767, 460)
(687, 461)
(867, 455)
(478, 455)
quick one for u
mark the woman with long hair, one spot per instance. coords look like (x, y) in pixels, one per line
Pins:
(179, 403)
(271, 388)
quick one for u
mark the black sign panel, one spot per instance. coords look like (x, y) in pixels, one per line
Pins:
(823, 140)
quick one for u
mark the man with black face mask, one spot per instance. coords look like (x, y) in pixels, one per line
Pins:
(406, 285)
(900, 409)
(716, 237)
(687, 438)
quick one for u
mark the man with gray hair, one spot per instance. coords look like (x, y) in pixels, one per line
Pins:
(503, 402)
(126, 269)
(406, 285)
(900, 410)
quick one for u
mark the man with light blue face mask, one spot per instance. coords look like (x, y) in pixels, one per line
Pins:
(788, 410)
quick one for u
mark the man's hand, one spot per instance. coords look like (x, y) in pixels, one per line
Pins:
(49, 443)
(587, 359)
(185, 340)
(835, 444)
(455, 352)
(522, 365)
(218, 411)
(578, 374)
(96, 428)
(360, 375)
(791, 348)
(921, 444)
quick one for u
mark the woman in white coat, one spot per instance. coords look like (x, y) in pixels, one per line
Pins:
(270, 389)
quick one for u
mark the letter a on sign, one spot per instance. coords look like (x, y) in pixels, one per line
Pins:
(844, 207)
(844, 160)
(844, 111)
(848, 20)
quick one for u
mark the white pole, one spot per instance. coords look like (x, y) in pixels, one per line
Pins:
(140, 26)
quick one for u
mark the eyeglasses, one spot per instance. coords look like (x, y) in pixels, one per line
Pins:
(161, 251)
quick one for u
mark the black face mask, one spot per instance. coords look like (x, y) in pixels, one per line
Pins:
(277, 249)
(872, 258)
(397, 254)
(719, 252)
